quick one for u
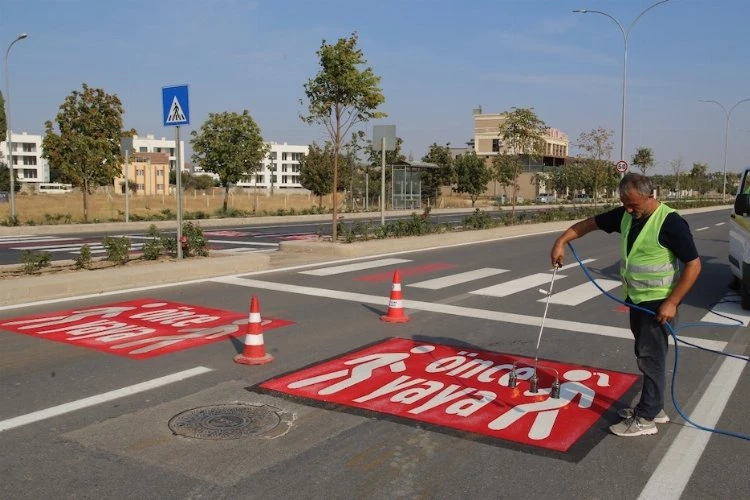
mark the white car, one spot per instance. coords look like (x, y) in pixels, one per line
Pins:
(739, 240)
(545, 198)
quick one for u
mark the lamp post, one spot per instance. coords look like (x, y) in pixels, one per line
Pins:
(11, 172)
(727, 115)
(625, 36)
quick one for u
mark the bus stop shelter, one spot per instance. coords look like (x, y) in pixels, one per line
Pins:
(406, 190)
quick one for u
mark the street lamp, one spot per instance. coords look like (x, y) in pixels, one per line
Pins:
(625, 35)
(10, 137)
(727, 115)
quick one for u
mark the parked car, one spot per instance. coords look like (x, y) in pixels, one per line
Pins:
(582, 198)
(545, 198)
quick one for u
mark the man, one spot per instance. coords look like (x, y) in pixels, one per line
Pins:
(654, 237)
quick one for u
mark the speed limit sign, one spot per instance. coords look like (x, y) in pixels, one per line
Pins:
(622, 166)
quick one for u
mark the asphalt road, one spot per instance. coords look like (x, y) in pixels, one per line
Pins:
(90, 422)
(228, 237)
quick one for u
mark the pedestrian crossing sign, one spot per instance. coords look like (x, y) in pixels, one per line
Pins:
(175, 107)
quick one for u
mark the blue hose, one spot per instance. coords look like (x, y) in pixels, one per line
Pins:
(677, 341)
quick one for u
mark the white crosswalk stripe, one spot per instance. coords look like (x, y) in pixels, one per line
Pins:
(359, 266)
(15, 240)
(457, 279)
(517, 285)
(576, 295)
(581, 293)
(727, 310)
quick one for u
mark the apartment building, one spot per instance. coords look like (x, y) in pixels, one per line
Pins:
(150, 144)
(149, 172)
(280, 169)
(31, 169)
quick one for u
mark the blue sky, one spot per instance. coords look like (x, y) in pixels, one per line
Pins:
(438, 60)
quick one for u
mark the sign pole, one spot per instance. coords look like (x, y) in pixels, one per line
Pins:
(382, 181)
(127, 186)
(178, 179)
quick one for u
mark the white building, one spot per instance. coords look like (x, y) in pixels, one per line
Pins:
(281, 167)
(150, 144)
(27, 160)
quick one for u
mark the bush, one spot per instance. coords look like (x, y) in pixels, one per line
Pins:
(118, 249)
(34, 261)
(83, 261)
(153, 247)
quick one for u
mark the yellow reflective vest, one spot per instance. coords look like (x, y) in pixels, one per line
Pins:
(650, 271)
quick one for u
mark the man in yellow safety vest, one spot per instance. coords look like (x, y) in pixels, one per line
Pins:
(654, 239)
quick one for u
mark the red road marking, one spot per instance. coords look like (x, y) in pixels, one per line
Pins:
(138, 329)
(405, 271)
(621, 309)
(463, 389)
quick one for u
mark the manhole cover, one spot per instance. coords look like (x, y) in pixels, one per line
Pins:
(225, 421)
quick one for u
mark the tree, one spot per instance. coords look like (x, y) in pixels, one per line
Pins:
(699, 178)
(472, 175)
(445, 174)
(340, 96)
(643, 159)
(596, 146)
(316, 171)
(522, 133)
(676, 167)
(230, 146)
(87, 148)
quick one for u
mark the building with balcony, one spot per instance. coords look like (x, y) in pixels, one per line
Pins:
(31, 169)
(279, 170)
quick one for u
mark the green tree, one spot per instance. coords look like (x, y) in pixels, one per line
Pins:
(341, 95)
(522, 133)
(643, 159)
(230, 146)
(699, 180)
(472, 175)
(445, 174)
(316, 171)
(596, 146)
(87, 148)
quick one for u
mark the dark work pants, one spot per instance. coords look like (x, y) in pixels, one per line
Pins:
(651, 343)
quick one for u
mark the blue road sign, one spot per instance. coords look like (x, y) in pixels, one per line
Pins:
(175, 107)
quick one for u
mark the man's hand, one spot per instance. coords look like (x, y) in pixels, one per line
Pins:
(666, 312)
(557, 254)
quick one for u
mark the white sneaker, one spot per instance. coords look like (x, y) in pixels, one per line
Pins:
(634, 426)
(660, 418)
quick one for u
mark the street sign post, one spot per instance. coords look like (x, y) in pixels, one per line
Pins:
(622, 166)
(176, 112)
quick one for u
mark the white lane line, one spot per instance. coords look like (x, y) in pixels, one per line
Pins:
(55, 411)
(467, 312)
(7, 240)
(676, 468)
(727, 310)
(221, 242)
(517, 285)
(719, 223)
(581, 293)
(574, 264)
(457, 279)
(328, 271)
(701, 229)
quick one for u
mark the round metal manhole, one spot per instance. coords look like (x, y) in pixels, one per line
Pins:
(225, 421)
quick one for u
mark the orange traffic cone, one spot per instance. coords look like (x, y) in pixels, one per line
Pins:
(395, 312)
(254, 352)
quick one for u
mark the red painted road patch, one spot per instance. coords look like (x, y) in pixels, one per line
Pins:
(138, 329)
(405, 272)
(461, 389)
